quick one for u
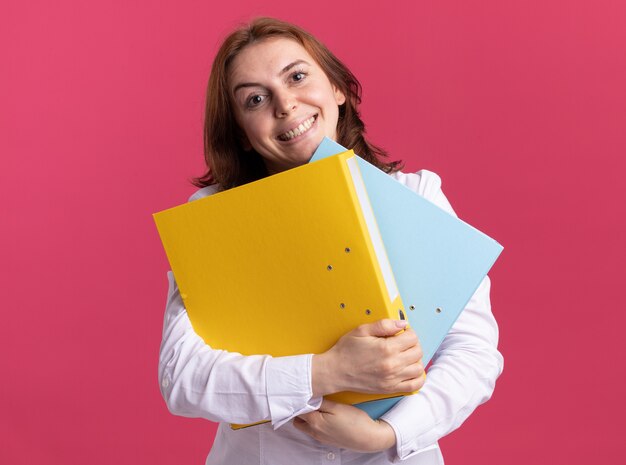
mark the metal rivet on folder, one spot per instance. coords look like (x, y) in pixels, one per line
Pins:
(347, 249)
(342, 305)
(438, 309)
(329, 267)
(368, 311)
(412, 307)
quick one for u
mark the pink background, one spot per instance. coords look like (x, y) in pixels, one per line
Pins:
(519, 106)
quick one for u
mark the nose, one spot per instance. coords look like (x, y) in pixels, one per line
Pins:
(285, 103)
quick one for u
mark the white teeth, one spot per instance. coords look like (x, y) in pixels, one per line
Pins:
(301, 129)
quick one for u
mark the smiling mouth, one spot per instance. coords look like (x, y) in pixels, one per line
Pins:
(301, 129)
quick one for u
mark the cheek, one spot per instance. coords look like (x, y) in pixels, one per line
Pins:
(328, 100)
(255, 127)
(331, 108)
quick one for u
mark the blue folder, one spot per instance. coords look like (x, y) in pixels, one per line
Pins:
(437, 259)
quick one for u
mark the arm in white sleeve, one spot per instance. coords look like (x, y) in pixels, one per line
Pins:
(463, 372)
(198, 381)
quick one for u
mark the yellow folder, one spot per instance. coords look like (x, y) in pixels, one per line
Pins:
(285, 265)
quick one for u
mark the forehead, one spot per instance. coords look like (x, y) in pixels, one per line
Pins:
(266, 59)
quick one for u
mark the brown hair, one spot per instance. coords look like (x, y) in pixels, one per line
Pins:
(228, 164)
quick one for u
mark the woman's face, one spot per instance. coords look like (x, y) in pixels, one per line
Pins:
(283, 102)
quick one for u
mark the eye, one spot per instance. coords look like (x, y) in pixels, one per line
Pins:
(254, 100)
(298, 76)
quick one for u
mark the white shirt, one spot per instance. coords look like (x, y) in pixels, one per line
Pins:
(199, 381)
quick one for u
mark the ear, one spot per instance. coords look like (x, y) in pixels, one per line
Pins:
(340, 97)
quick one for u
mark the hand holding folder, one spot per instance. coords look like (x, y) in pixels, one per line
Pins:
(382, 357)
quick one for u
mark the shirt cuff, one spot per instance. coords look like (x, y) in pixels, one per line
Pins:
(400, 419)
(289, 388)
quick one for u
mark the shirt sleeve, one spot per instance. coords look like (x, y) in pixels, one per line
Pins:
(199, 381)
(463, 371)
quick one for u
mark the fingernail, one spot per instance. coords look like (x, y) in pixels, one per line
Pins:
(401, 323)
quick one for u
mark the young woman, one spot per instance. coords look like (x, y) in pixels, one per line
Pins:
(273, 94)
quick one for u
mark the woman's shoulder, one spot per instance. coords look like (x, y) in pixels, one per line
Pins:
(428, 185)
(424, 182)
(204, 192)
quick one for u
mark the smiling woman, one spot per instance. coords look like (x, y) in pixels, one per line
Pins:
(241, 80)
(283, 102)
(274, 93)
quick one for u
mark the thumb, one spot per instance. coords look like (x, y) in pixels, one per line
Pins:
(383, 328)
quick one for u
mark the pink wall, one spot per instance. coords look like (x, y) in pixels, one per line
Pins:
(519, 106)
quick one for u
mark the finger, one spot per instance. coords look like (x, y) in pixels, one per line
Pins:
(411, 385)
(407, 365)
(405, 378)
(411, 355)
(413, 371)
(382, 328)
(403, 341)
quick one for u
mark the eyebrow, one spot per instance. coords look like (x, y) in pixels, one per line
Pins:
(291, 65)
(283, 71)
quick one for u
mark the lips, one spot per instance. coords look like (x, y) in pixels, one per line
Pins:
(299, 130)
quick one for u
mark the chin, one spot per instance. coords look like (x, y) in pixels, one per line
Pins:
(301, 159)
